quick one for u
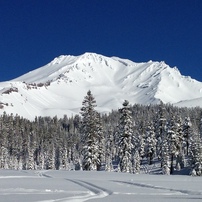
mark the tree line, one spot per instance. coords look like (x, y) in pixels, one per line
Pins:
(122, 140)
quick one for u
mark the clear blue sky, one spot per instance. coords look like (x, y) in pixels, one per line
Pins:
(33, 32)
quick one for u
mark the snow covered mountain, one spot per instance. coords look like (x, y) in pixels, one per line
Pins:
(59, 87)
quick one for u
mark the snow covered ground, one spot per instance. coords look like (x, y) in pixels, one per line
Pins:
(78, 186)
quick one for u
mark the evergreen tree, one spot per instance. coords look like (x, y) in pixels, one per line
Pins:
(139, 138)
(200, 125)
(109, 150)
(136, 163)
(187, 133)
(150, 147)
(50, 157)
(4, 151)
(101, 141)
(91, 134)
(180, 155)
(196, 156)
(165, 160)
(125, 138)
(172, 141)
(31, 152)
(161, 131)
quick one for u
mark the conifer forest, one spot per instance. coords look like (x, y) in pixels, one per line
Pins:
(125, 140)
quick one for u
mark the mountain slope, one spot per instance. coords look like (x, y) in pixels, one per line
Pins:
(59, 87)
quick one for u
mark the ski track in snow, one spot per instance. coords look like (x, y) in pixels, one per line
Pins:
(172, 191)
(61, 186)
(96, 191)
(92, 192)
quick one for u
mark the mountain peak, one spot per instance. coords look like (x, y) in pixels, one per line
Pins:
(59, 87)
(60, 59)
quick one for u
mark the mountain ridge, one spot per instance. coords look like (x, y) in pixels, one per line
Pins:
(59, 87)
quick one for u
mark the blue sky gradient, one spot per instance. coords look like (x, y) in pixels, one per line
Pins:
(33, 32)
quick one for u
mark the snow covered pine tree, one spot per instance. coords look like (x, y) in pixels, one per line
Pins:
(125, 138)
(90, 134)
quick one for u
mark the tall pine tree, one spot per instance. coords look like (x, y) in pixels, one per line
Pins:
(125, 138)
(90, 129)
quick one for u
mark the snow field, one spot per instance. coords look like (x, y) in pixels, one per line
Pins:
(79, 186)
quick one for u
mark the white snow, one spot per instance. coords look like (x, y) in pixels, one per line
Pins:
(79, 186)
(59, 87)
